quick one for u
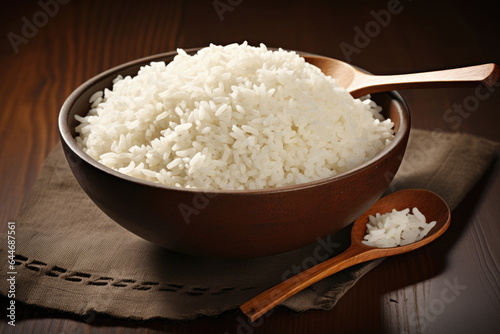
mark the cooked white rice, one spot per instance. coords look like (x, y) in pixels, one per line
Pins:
(231, 117)
(396, 228)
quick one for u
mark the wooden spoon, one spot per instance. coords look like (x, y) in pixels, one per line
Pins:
(359, 83)
(431, 205)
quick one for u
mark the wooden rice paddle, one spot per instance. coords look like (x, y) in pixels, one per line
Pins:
(359, 83)
(431, 205)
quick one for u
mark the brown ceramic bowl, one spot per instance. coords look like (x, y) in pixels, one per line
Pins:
(244, 223)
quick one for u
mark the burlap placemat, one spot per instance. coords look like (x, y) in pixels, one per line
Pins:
(71, 257)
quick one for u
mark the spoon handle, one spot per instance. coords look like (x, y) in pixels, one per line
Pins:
(259, 305)
(486, 74)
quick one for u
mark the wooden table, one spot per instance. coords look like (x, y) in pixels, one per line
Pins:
(77, 39)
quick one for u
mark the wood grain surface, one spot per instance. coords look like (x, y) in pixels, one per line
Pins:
(449, 286)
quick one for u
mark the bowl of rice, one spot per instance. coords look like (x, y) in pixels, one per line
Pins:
(230, 151)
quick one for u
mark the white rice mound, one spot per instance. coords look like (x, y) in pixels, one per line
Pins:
(231, 117)
(396, 228)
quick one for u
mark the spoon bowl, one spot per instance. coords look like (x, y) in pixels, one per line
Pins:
(359, 83)
(433, 207)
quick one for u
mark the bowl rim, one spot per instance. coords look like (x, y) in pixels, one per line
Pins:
(69, 140)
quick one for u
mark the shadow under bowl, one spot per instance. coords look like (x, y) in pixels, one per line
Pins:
(245, 223)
